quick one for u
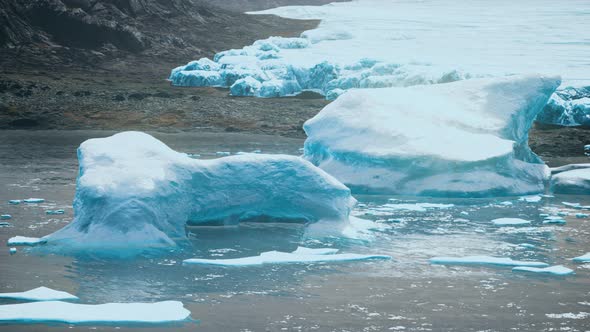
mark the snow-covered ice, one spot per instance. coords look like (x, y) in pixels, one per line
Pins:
(301, 255)
(510, 222)
(369, 139)
(25, 241)
(109, 313)
(485, 260)
(133, 191)
(559, 270)
(582, 259)
(575, 181)
(372, 44)
(40, 294)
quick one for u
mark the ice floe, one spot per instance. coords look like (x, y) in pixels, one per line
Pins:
(301, 255)
(133, 191)
(510, 222)
(34, 200)
(109, 313)
(582, 259)
(40, 294)
(559, 270)
(575, 181)
(25, 241)
(5, 217)
(484, 260)
(369, 140)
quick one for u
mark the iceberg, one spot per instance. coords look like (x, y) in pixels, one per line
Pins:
(484, 260)
(5, 217)
(559, 270)
(134, 192)
(428, 140)
(301, 255)
(40, 294)
(109, 313)
(34, 200)
(582, 259)
(568, 107)
(25, 241)
(575, 181)
(510, 222)
(14, 201)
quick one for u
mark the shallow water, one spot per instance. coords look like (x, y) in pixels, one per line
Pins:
(404, 294)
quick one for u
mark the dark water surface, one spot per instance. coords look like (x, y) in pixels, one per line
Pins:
(404, 294)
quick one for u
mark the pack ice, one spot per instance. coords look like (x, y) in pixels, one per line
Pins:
(134, 191)
(466, 138)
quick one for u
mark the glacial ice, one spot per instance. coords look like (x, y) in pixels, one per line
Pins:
(134, 192)
(484, 260)
(40, 294)
(568, 107)
(559, 270)
(510, 222)
(369, 139)
(109, 313)
(25, 241)
(372, 44)
(582, 259)
(575, 181)
(301, 255)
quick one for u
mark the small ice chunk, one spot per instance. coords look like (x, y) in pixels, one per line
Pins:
(5, 217)
(531, 199)
(55, 212)
(581, 215)
(223, 153)
(572, 205)
(34, 200)
(39, 294)
(301, 255)
(4, 224)
(12, 251)
(109, 313)
(554, 220)
(484, 260)
(506, 203)
(527, 245)
(510, 222)
(25, 241)
(14, 201)
(418, 207)
(582, 259)
(563, 213)
(559, 270)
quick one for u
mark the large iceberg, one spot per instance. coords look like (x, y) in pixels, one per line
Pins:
(134, 191)
(467, 138)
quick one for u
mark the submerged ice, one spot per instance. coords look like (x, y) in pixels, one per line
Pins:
(134, 191)
(467, 138)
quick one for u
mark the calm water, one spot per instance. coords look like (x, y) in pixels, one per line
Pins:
(405, 294)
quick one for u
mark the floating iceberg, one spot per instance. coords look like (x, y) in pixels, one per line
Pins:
(466, 138)
(510, 222)
(109, 313)
(484, 260)
(582, 259)
(40, 294)
(133, 191)
(14, 201)
(5, 217)
(575, 181)
(25, 241)
(559, 270)
(301, 255)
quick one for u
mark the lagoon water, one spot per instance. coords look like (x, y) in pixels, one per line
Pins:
(404, 294)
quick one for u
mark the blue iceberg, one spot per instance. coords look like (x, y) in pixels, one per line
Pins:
(466, 138)
(133, 191)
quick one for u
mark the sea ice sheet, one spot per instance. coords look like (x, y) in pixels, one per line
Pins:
(559, 270)
(133, 191)
(485, 260)
(369, 139)
(109, 313)
(40, 294)
(301, 255)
